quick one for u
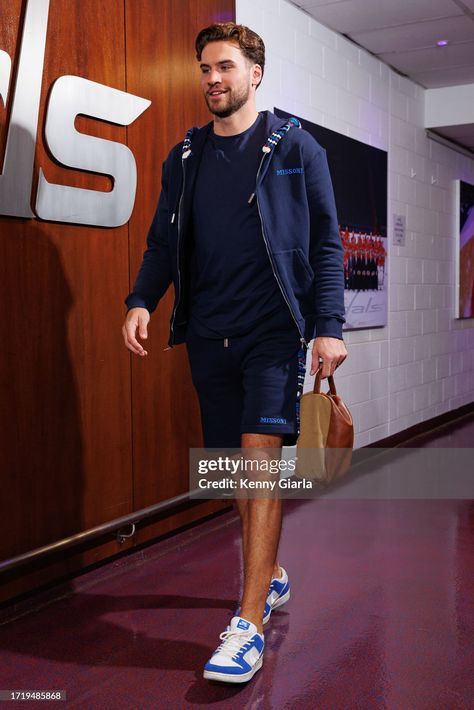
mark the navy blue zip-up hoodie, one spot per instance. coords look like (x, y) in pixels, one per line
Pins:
(296, 205)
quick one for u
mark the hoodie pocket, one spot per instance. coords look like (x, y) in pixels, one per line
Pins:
(297, 278)
(295, 271)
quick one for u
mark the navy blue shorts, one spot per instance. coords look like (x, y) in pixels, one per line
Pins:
(248, 384)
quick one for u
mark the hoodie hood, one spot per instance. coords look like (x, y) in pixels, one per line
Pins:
(276, 129)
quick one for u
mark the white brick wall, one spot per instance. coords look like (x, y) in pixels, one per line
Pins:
(421, 364)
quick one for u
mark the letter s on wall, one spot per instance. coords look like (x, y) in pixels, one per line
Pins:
(5, 71)
(70, 96)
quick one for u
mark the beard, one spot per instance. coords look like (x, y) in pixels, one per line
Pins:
(235, 99)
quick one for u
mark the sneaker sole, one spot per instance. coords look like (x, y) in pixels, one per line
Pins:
(230, 678)
(282, 600)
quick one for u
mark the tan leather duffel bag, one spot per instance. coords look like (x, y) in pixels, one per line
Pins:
(326, 439)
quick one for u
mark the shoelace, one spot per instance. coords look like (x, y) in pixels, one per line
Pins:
(232, 642)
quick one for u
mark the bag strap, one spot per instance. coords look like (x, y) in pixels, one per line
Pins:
(317, 383)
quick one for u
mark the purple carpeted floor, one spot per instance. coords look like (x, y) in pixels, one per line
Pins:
(381, 615)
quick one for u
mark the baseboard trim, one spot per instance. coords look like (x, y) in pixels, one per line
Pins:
(426, 427)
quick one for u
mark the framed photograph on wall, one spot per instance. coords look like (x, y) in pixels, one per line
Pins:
(359, 177)
(464, 300)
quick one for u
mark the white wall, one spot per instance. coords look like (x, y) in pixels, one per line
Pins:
(422, 363)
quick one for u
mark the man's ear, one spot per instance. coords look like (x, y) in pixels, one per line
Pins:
(256, 74)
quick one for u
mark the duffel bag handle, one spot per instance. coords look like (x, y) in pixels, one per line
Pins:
(317, 383)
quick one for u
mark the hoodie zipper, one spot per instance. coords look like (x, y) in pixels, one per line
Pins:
(178, 295)
(255, 195)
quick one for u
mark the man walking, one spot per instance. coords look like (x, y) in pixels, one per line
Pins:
(246, 229)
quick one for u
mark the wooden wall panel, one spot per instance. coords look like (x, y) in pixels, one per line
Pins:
(67, 404)
(88, 432)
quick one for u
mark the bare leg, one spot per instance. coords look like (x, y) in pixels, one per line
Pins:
(242, 508)
(261, 528)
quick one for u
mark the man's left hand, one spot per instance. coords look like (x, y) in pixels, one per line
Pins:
(331, 351)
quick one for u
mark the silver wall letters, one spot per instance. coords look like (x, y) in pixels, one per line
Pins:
(16, 179)
(70, 96)
(5, 71)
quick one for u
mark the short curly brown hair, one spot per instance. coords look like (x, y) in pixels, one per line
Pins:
(250, 43)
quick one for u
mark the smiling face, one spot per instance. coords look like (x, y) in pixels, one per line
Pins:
(228, 79)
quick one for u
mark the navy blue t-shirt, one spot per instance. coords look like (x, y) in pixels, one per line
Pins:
(232, 283)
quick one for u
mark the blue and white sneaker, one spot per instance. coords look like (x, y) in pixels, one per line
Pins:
(239, 656)
(278, 594)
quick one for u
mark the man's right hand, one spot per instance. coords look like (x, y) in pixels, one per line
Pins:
(136, 318)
